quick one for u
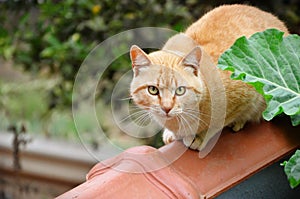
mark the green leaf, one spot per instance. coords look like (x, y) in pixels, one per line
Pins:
(292, 169)
(295, 119)
(271, 63)
(48, 52)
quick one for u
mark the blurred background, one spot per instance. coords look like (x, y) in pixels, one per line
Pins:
(44, 42)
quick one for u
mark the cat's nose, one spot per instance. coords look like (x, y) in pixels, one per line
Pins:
(166, 109)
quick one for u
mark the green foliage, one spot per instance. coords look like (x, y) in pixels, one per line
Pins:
(26, 103)
(292, 169)
(54, 37)
(29, 104)
(270, 63)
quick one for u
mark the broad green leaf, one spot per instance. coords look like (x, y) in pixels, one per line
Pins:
(271, 63)
(292, 169)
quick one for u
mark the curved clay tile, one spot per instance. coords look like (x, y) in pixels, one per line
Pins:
(145, 172)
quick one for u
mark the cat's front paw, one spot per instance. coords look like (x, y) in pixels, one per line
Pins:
(236, 126)
(168, 136)
(192, 142)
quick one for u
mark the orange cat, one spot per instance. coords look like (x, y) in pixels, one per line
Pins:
(170, 83)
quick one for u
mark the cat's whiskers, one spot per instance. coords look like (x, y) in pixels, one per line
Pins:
(195, 118)
(177, 111)
(185, 124)
(154, 109)
(134, 111)
(182, 131)
(131, 115)
(188, 129)
(126, 98)
(141, 120)
(199, 113)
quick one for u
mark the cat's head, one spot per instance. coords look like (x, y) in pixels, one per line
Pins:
(166, 84)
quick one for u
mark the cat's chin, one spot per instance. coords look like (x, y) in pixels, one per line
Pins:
(169, 117)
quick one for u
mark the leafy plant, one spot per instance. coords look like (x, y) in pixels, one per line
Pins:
(271, 63)
(292, 169)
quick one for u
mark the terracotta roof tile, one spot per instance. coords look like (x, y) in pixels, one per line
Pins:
(174, 172)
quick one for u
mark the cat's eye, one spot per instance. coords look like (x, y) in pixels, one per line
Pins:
(180, 91)
(153, 90)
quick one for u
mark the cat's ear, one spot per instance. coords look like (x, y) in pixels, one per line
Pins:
(191, 61)
(138, 58)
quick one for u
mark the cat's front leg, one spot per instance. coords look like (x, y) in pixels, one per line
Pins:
(168, 136)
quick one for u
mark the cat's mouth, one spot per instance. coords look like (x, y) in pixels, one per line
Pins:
(165, 116)
(169, 117)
